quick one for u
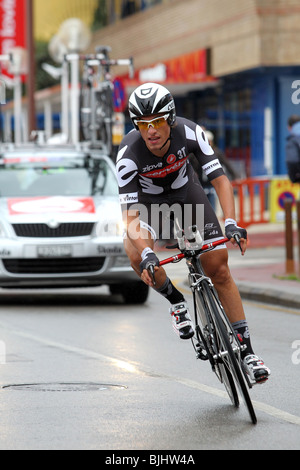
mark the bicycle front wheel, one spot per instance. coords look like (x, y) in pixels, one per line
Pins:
(228, 357)
(207, 337)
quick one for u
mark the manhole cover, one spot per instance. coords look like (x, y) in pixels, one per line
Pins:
(64, 387)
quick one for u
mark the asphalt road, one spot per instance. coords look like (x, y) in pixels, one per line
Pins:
(80, 370)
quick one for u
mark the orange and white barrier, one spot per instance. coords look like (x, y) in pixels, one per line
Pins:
(252, 196)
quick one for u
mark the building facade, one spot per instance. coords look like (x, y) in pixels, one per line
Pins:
(246, 83)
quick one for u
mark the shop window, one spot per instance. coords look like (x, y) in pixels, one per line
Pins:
(129, 7)
(237, 114)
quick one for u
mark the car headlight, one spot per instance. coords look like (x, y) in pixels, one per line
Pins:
(3, 233)
(110, 227)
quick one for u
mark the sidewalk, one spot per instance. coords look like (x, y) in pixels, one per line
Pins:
(261, 282)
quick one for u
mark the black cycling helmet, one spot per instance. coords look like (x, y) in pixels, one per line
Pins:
(149, 99)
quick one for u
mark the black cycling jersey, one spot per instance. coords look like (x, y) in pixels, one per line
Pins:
(144, 177)
(169, 182)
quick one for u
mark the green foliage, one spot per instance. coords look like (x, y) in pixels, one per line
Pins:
(100, 16)
(43, 79)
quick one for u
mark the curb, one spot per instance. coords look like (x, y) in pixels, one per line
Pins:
(266, 294)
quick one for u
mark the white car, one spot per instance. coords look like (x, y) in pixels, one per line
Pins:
(60, 222)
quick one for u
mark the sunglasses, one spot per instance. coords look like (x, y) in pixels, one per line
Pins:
(156, 123)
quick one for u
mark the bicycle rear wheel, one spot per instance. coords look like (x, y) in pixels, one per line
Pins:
(227, 340)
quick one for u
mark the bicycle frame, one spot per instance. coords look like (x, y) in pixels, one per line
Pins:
(197, 279)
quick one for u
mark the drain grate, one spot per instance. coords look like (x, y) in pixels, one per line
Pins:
(64, 387)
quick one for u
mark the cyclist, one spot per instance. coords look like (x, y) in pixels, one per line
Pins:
(153, 172)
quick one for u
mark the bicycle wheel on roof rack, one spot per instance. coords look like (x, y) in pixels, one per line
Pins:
(85, 105)
(228, 347)
(104, 114)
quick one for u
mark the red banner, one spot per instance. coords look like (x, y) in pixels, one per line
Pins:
(12, 25)
(187, 68)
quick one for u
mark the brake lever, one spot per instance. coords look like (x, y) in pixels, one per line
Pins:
(238, 240)
(151, 271)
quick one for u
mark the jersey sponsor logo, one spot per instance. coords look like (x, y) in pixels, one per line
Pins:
(181, 179)
(121, 153)
(211, 166)
(126, 171)
(167, 170)
(128, 198)
(171, 158)
(189, 133)
(146, 91)
(149, 187)
(203, 141)
(152, 167)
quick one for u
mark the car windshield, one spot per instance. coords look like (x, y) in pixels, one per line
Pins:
(56, 176)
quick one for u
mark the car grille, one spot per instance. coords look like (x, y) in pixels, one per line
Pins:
(53, 265)
(44, 231)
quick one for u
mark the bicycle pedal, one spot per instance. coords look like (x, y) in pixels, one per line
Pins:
(201, 353)
(202, 356)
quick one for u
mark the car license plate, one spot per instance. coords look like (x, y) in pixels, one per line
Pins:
(54, 251)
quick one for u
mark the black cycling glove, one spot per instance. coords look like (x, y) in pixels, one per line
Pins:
(148, 258)
(231, 229)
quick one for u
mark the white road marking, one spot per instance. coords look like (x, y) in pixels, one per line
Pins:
(137, 369)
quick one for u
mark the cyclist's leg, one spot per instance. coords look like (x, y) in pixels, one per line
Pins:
(215, 264)
(163, 284)
(178, 307)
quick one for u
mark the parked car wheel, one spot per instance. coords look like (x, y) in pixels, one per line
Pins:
(132, 292)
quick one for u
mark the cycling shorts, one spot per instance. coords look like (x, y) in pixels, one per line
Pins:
(185, 207)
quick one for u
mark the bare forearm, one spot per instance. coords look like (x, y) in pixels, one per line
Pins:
(140, 238)
(224, 192)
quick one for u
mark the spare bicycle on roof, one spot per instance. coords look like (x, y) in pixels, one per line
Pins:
(97, 97)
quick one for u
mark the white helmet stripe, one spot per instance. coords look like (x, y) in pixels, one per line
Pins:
(134, 102)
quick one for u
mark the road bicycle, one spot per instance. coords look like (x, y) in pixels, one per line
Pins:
(96, 97)
(214, 340)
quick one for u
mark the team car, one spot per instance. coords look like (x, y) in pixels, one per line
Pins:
(60, 221)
